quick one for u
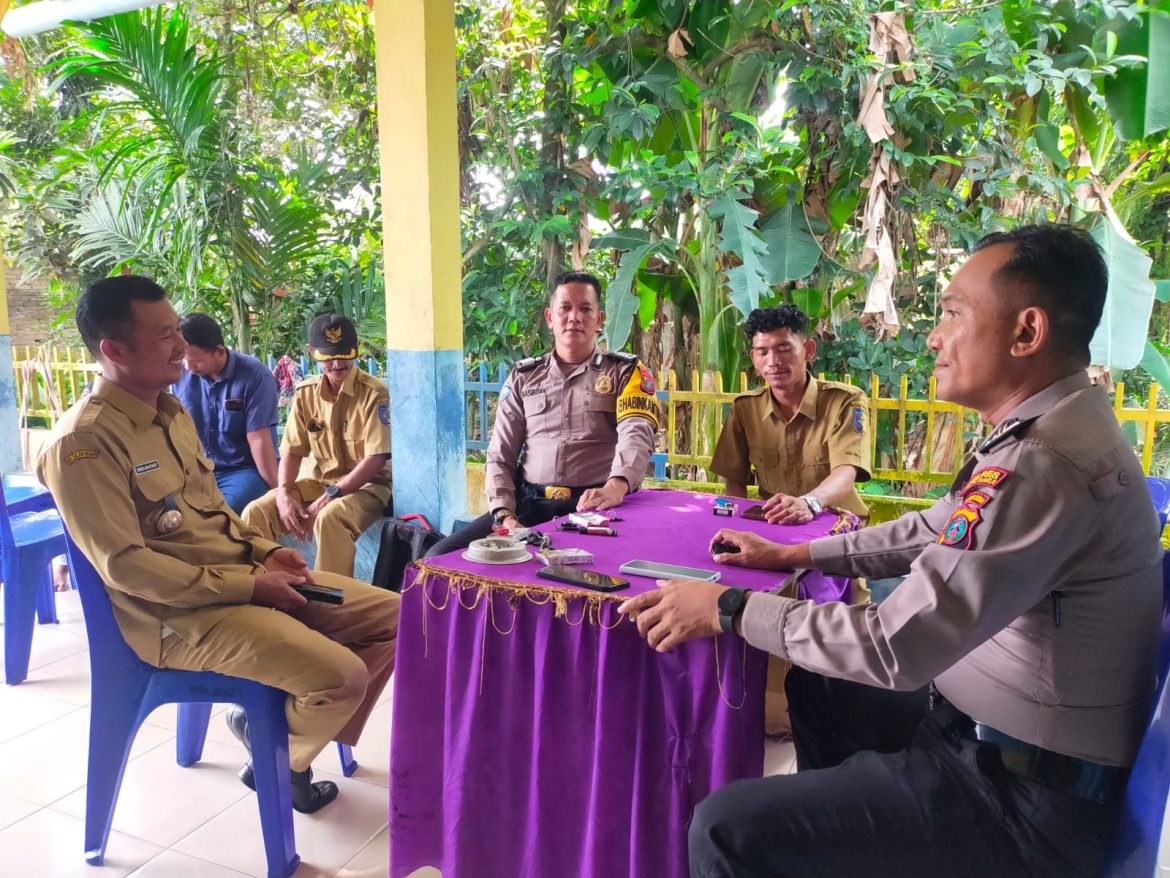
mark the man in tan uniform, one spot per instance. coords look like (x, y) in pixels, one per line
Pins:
(192, 587)
(1031, 605)
(803, 439)
(585, 420)
(342, 418)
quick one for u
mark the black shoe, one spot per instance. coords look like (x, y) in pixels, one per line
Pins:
(307, 796)
(237, 721)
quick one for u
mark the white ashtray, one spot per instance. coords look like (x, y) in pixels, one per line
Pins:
(497, 550)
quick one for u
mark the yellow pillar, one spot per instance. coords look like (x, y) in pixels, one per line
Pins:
(415, 58)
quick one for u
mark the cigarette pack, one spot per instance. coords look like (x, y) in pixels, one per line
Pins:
(550, 557)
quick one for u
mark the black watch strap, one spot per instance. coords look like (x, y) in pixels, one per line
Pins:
(731, 604)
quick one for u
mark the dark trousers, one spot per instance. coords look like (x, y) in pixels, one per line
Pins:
(529, 512)
(887, 787)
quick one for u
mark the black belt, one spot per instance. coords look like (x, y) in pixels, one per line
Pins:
(1104, 784)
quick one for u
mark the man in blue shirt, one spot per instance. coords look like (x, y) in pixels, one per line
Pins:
(232, 399)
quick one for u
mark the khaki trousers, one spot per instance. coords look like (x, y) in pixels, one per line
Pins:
(336, 529)
(333, 661)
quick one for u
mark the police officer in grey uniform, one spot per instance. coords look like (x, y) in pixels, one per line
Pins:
(574, 428)
(983, 719)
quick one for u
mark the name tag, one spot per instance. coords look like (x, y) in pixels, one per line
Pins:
(149, 466)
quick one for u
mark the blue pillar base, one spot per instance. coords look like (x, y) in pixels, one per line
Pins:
(10, 457)
(429, 459)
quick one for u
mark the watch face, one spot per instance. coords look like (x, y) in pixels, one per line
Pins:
(730, 603)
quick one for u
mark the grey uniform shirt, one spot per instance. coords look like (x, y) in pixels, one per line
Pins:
(580, 425)
(1033, 594)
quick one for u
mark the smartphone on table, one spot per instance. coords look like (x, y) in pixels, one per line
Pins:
(755, 513)
(585, 578)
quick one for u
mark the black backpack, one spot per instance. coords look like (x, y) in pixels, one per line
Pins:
(404, 540)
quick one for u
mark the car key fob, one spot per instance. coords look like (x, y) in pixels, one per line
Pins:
(719, 548)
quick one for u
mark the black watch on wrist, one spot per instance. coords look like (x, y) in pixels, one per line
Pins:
(731, 604)
(500, 514)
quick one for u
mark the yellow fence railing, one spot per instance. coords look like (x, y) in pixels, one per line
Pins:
(924, 439)
(50, 379)
(929, 436)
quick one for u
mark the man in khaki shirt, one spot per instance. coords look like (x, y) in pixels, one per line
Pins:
(1031, 606)
(341, 418)
(574, 428)
(192, 587)
(803, 439)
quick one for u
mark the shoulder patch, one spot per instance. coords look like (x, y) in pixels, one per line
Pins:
(526, 364)
(859, 418)
(81, 454)
(384, 414)
(959, 531)
(987, 477)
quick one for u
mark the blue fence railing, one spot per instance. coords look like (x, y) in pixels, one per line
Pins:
(481, 395)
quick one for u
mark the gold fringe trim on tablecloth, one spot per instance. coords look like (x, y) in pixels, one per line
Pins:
(460, 583)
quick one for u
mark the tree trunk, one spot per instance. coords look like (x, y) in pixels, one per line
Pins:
(554, 135)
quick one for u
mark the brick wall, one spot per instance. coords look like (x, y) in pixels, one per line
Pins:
(29, 313)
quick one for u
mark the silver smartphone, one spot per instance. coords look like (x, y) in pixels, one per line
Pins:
(658, 570)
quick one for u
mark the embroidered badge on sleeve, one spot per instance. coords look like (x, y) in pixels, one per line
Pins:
(859, 418)
(636, 401)
(987, 477)
(83, 454)
(959, 531)
(384, 414)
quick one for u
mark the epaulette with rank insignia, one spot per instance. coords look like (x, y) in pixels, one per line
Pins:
(1006, 430)
(526, 364)
(622, 355)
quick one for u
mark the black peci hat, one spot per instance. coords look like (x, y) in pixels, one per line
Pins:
(333, 337)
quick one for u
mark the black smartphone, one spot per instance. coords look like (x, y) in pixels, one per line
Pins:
(585, 578)
(719, 548)
(756, 513)
(321, 593)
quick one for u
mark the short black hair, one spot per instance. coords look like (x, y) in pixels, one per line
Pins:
(770, 319)
(105, 310)
(202, 331)
(576, 277)
(1061, 269)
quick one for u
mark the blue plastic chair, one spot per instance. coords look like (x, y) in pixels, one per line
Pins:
(1160, 492)
(126, 689)
(1135, 850)
(192, 731)
(29, 540)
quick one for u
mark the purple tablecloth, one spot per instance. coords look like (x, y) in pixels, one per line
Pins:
(535, 735)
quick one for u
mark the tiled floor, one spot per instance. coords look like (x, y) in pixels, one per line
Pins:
(172, 822)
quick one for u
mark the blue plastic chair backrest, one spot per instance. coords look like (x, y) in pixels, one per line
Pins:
(7, 544)
(109, 654)
(1136, 848)
(1160, 492)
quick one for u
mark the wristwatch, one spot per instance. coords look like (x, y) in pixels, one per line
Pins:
(500, 514)
(814, 505)
(731, 604)
(333, 491)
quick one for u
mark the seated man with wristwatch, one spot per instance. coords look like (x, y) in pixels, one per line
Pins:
(802, 439)
(574, 428)
(342, 419)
